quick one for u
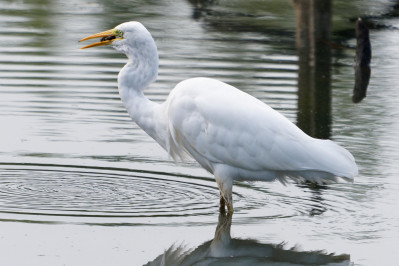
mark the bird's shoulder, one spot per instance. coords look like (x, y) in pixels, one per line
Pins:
(201, 86)
(209, 95)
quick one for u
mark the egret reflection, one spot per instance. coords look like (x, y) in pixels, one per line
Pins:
(224, 250)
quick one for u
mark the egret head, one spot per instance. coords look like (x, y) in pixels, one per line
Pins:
(136, 42)
(128, 37)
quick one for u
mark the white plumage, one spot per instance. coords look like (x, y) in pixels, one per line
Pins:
(228, 132)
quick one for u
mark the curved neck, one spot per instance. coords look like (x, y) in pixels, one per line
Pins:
(140, 71)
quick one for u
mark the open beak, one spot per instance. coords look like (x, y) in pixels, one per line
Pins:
(107, 37)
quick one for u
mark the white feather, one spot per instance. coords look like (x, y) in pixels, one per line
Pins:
(221, 126)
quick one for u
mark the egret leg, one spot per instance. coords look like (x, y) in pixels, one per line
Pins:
(230, 208)
(222, 203)
(226, 191)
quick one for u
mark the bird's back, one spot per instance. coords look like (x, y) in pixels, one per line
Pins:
(232, 133)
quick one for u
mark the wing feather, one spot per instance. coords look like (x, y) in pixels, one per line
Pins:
(219, 124)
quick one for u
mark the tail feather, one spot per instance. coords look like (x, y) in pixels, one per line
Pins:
(328, 163)
(335, 159)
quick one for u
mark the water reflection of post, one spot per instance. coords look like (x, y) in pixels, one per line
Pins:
(362, 62)
(313, 31)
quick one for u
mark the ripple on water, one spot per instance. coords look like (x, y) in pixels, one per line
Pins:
(95, 195)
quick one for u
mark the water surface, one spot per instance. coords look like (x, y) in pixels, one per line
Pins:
(81, 184)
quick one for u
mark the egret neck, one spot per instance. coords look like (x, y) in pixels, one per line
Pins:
(140, 71)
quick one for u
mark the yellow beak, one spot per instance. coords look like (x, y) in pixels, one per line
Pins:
(107, 37)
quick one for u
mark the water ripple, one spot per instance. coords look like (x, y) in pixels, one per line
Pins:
(106, 196)
(97, 193)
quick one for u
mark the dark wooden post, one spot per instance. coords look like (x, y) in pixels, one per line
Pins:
(313, 31)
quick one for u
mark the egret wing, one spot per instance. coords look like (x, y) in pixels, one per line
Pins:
(219, 124)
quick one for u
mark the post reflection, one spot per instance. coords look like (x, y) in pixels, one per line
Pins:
(224, 250)
(317, 206)
(313, 31)
(362, 62)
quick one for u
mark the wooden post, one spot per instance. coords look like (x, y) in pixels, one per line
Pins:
(313, 31)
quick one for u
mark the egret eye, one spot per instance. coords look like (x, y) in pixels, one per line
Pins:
(107, 38)
(118, 33)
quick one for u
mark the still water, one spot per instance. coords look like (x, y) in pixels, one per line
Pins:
(80, 184)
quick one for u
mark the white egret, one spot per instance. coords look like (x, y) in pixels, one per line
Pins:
(228, 132)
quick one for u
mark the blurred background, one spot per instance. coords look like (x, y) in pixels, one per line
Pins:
(81, 184)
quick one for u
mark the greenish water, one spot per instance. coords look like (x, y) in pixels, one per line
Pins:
(81, 184)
